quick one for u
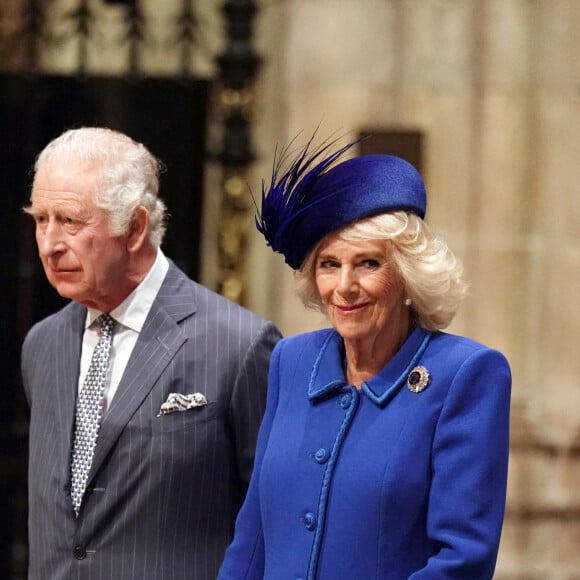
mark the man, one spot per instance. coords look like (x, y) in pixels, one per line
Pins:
(143, 424)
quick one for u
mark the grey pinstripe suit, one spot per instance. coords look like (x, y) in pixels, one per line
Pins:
(163, 492)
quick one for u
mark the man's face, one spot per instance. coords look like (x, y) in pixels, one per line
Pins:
(81, 259)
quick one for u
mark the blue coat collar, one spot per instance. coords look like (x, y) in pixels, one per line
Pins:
(328, 373)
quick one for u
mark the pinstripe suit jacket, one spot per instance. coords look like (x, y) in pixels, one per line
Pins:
(163, 492)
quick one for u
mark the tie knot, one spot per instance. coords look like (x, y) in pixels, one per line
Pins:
(106, 323)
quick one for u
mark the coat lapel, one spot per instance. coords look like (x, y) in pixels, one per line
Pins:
(159, 341)
(67, 357)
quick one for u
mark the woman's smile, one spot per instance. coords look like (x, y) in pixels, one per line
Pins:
(347, 309)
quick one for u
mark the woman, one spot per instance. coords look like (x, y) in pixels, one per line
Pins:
(383, 451)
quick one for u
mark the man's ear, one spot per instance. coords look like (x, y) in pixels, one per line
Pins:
(138, 229)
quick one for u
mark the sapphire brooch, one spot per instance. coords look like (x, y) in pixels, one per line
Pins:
(418, 379)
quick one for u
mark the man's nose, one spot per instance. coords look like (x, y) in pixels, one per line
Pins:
(49, 239)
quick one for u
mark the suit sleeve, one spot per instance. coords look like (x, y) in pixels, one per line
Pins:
(245, 557)
(24, 368)
(249, 399)
(469, 471)
(26, 362)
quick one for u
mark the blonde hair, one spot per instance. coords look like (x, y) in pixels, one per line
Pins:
(432, 275)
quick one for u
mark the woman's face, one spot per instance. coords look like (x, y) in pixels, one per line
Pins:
(361, 291)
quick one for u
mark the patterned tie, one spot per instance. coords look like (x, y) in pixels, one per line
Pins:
(88, 412)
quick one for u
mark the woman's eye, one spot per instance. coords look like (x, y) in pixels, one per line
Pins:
(328, 264)
(371, 264)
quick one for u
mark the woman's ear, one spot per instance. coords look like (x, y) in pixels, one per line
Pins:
(138, 229)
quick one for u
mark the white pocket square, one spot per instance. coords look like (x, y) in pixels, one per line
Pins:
(179, 402)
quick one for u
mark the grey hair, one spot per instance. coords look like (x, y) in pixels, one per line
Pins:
(129, 175)
(432, 275)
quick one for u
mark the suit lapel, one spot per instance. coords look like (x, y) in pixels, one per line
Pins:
(159, 341)
(67, 356)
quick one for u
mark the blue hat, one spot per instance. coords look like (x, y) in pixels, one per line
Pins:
(311, 200)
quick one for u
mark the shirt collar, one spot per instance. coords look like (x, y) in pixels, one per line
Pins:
(133, 311)
(328, 374)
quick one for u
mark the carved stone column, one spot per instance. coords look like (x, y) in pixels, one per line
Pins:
(238, 65)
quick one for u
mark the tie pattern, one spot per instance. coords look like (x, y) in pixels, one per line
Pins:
(89, 410)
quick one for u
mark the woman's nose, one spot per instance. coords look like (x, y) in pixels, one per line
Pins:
(348, 281)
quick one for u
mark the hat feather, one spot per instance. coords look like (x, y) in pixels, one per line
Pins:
(291, 192)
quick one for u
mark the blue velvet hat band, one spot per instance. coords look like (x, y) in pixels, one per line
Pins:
(308, 203)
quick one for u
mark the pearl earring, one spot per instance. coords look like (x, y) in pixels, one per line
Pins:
(407, 302)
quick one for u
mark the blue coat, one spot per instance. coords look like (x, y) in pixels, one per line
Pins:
(381, 482)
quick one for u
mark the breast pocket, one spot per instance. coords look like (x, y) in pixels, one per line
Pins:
(193, 418)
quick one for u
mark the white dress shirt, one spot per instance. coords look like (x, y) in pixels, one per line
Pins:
(130, 316)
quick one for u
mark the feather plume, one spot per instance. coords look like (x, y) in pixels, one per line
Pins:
(291, 191)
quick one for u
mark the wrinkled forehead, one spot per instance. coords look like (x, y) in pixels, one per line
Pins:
(356, 240)
(66, 180)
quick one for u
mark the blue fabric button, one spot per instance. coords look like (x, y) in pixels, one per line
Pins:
(309, 521)
(322, 455)
(346, 400)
